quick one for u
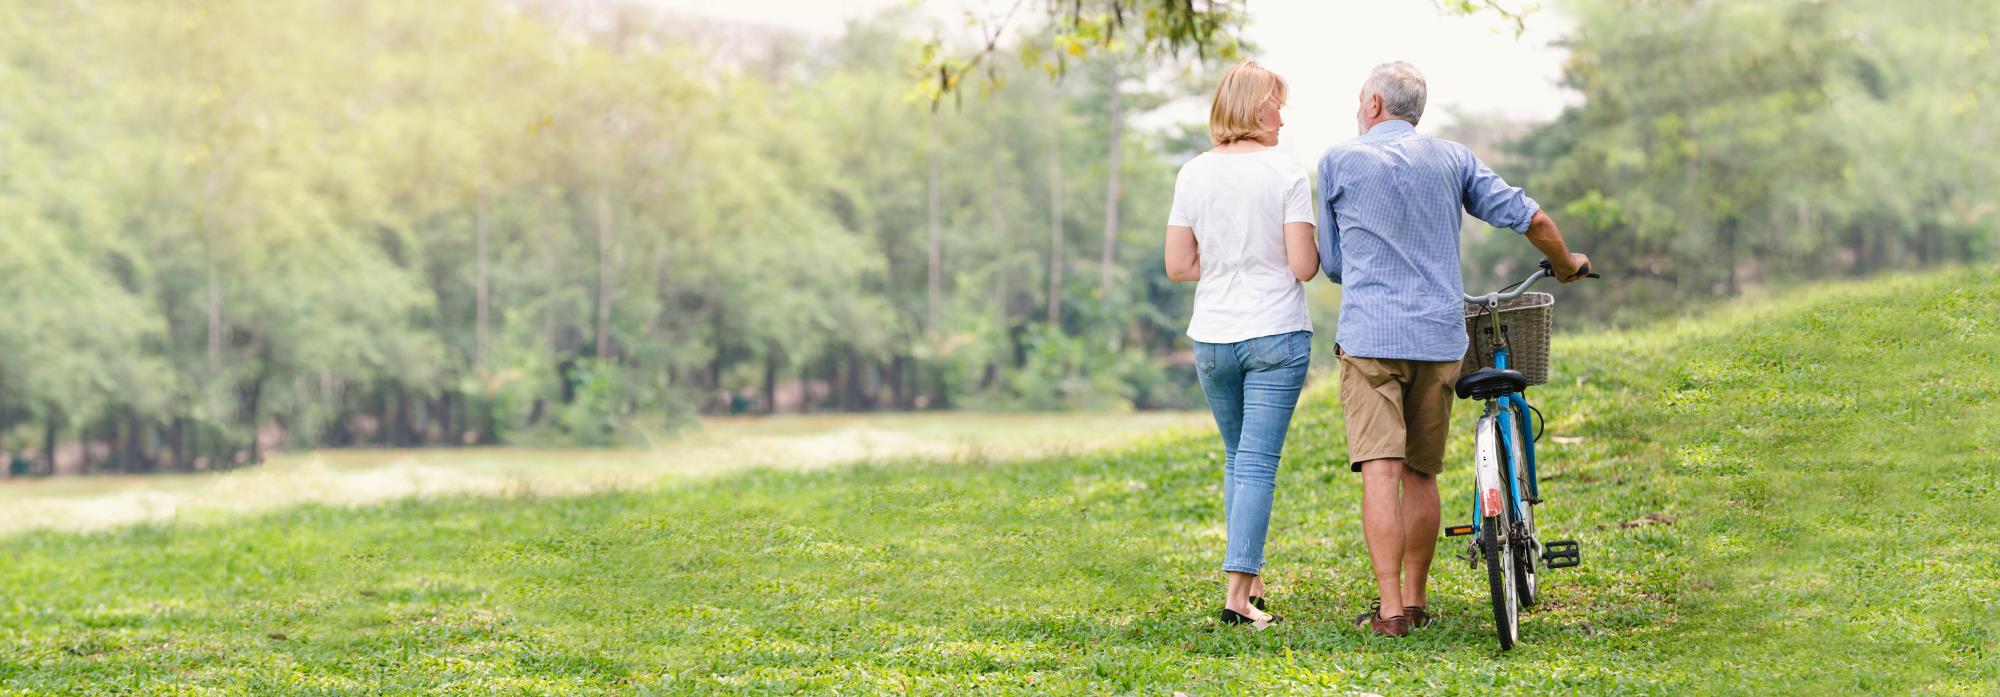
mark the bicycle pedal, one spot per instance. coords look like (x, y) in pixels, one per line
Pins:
(1458, 531)
(1561, 554)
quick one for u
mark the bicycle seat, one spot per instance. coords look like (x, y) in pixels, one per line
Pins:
(1488, 383)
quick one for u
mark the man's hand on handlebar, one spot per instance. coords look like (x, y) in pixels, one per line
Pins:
(1579, 269)
(1573, 268)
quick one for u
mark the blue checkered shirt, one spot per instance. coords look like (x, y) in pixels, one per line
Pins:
(1392, 199)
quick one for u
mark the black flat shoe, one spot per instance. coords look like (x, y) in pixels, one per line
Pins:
(1257, 601)
(1233, 617)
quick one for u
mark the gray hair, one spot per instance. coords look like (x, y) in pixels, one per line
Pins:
(1401, 87)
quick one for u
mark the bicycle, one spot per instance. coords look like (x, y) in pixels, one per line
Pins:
(1506, 490)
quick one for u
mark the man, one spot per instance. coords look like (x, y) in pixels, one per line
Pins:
(1392, 200)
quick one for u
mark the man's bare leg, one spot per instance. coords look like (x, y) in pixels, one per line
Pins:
(1382, 525)
(1420, 517)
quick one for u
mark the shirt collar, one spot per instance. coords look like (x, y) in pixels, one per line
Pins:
(1392, 127)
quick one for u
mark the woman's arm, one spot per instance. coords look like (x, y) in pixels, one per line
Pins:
(1183, 255)
(1301, 251)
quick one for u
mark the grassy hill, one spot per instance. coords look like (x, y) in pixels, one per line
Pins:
(1796, 495)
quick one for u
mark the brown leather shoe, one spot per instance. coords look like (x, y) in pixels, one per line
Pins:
(1418, 617)
(1389, 627)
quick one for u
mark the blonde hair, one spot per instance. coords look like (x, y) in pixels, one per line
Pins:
(1243, 92)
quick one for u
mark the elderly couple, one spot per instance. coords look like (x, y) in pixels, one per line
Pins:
(1242, 227)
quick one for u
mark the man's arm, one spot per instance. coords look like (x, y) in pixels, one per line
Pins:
(1542, 232)
(1329, 224)
(1489, 198)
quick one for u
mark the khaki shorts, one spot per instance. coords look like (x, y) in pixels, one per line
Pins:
(1398, 409)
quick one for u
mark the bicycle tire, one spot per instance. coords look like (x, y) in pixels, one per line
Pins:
(1495, 541)
(1526, 580)
(1500, 582)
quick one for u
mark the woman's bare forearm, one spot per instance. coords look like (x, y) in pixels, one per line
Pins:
(1301, 251)
(1183, 260)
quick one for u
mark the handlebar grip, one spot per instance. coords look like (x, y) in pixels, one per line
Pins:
(1587, 273)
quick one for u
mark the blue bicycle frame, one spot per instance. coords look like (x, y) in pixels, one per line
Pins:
(1512, 432)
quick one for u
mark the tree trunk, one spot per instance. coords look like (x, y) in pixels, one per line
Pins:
(718, 362)
(219, 455)
(481, 293)
(1726, 237)
(135, 444)
(177, 442)
(83, 436)
(6, 426)
(856, 400)
(548, 262)
(214, 311)
(1002, 295)
(538, 411)
(935, 316)
(385, 425)
(204, 450)
(603, 274)
(447, 431)
(940, 399)
(1112, 186)
(833, 398)
(771, 383)
(1055, 213)
(52, 428)
(894, 377)
(253, 398)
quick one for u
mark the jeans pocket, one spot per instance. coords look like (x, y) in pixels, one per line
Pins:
(1204, 358)
(1280, 351)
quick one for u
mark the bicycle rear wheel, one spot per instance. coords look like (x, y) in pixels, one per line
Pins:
(1500, 580)
(1496, 542)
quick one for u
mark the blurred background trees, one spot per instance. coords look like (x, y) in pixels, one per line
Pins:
(231, 226)
(1723, 147)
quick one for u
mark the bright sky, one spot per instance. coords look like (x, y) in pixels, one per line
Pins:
(1323, 48)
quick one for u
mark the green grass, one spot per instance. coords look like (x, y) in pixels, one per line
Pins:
(719, 446)
(1826, 460)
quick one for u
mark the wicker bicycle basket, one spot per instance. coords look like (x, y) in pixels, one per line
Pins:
(1526, 321)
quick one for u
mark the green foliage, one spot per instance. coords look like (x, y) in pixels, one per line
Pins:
(598, 407)
(1723, 147)
(1069, 372)
(386, 223)
(1075, 30)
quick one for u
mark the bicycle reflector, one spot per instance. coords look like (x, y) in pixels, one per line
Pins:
(1490, 502)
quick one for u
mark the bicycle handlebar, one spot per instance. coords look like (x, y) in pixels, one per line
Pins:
(1522, 289)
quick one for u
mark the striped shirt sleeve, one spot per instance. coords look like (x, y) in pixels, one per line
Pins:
(1329, 227)
(1489, 198)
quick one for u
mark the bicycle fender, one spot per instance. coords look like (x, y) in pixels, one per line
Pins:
(1486, 467)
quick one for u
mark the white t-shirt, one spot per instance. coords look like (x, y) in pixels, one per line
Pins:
(1238, 204)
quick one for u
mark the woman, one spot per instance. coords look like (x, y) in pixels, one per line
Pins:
(1242, 229)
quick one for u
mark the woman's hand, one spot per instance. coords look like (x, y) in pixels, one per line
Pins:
(1183, 255)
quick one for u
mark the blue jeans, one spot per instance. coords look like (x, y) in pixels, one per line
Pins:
(1251, 386)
